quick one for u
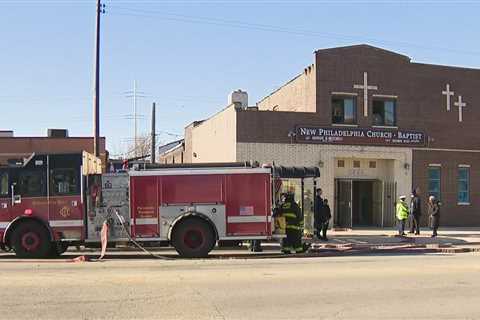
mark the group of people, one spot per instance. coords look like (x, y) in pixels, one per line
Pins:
(413, 213)
(294, 221)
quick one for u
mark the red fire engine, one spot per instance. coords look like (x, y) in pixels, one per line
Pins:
(49, 202)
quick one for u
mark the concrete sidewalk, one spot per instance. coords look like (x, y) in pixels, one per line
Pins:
(449, 240)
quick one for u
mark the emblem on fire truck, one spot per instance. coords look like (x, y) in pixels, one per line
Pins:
(65, 212)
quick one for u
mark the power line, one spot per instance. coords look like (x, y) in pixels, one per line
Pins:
(169, 16)
(250, 2)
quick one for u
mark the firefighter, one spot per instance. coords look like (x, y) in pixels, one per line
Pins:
(294, 225)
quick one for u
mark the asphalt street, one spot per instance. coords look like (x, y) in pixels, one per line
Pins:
(350, 287)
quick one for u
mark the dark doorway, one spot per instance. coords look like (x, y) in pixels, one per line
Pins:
(358, 203)
(362, 203)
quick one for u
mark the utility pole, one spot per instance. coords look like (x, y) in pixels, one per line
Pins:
(153, 153)
(96, 83)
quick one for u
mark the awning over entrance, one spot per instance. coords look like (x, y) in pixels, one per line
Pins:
(296, 172)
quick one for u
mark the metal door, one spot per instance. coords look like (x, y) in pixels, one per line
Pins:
(144, 207)
(343, 196)
(377, 207)
(389, 199)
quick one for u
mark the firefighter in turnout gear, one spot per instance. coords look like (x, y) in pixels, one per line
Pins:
(294, 225)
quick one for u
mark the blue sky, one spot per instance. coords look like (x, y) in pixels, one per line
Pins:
(188, 55)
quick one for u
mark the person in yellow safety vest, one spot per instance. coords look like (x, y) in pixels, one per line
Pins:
(402, 215)
(294, 225)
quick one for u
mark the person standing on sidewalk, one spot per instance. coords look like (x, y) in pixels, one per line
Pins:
(325, 217)
(402, 215)
(318, 213)
(415, 212)
(434, 212)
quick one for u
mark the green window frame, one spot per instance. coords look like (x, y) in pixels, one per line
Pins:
(463, 192)
(434, 181)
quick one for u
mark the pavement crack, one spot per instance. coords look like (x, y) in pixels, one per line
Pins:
(219, 314)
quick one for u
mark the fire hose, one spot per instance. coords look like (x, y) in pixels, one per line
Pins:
(121, 220)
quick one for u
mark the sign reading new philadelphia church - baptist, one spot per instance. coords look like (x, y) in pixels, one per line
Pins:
(360, 136)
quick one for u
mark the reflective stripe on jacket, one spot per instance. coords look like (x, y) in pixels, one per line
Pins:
(291, 214)
(402, 211)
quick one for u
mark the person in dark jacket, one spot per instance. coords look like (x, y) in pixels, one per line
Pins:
(415, 212)
(325, 217)
(434, 213)
(318, 213)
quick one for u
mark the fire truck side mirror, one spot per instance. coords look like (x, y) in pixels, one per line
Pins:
(16, 198)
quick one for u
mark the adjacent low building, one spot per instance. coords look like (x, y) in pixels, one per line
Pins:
(377, 125)
(172, 152)
(14, 148)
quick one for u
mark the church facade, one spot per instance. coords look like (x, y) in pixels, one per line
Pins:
(377, 125)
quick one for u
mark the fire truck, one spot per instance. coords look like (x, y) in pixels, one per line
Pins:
(49, 202)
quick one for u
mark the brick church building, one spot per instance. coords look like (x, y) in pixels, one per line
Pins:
(377, 125)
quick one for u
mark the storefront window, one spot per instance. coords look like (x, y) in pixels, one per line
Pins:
(463, 185)
(434, 182)
(384, 113)
(344, 110)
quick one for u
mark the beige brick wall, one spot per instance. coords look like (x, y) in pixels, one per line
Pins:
(176, 156)
(392, 162)
(297, 95)
(215, 139)
(188, 157)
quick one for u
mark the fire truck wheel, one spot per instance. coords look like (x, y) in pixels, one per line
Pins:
(31, 240)
(193, 238)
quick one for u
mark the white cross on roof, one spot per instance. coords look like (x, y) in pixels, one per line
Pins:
(460, 104)
(365, 88)
(448, 93)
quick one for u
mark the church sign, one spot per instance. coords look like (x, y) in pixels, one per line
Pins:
(359, 136)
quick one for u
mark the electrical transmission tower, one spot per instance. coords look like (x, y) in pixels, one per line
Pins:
(135, 95)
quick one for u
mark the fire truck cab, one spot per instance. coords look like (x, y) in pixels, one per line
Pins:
(41, 203)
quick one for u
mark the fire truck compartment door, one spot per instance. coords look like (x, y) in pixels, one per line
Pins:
(171, 214)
